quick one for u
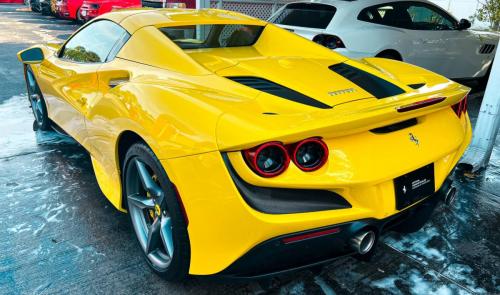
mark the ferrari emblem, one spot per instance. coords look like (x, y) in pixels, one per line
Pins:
(414, 139)
(404, 189)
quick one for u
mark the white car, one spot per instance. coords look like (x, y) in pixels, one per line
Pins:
(416, 32)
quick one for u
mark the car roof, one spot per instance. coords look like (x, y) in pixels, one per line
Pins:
(355, 4)
(134, 19)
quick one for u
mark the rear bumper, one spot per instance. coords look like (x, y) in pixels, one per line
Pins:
(283, 254)
(224, 226)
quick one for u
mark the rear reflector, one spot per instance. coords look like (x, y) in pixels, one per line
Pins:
(461, 107)
(311, 235)
(420, 104)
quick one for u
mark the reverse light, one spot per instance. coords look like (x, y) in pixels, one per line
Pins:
(310, 154)
(329, 41)
(268, 160)
(461, 107)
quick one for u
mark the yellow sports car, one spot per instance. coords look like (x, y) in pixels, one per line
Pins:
(241, 149)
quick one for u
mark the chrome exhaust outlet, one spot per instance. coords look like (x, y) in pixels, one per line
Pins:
(363, 242)
(450, 196)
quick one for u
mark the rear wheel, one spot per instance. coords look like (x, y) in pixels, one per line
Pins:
(38, 106)
(155, 214)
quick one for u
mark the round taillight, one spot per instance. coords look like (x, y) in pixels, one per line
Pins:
(268, 160)
(310, 154)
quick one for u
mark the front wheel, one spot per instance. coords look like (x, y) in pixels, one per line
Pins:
(155, 214)
(38, 106)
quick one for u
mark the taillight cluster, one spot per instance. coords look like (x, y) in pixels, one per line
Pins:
(461, 107)
(273, 158)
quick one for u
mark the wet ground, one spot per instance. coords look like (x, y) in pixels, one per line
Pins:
(58, 234)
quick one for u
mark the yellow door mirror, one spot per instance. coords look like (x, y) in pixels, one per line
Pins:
(31, 56)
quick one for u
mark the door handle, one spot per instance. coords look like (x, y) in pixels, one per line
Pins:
(117, 81)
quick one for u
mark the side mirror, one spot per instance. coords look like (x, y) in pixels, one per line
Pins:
(464, 24)
(31, 56)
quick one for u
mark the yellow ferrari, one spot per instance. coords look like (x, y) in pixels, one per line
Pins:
(243, 150)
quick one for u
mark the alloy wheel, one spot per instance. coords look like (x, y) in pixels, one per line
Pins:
(35, 98)
(151, 220)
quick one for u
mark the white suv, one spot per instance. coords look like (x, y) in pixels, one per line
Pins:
(417, 32)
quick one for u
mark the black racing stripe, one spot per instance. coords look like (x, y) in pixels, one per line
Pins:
(374, 85)
(278, 90)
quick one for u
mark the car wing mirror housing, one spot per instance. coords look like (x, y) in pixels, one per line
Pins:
(32, 55)
(464, 24)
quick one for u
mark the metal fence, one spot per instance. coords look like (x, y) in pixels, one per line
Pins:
(262, 9)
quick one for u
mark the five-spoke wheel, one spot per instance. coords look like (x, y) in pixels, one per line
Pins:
(37, 102)
(155, 213)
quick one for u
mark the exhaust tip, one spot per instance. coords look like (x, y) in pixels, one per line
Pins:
(450, 196)
(363, 242)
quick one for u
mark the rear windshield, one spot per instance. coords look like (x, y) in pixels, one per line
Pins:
(309, 15)
(213, 36)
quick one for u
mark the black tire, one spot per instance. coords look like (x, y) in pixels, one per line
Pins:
(45, 10)
(483, 81)
(175, 268)
(79, 18)
(37, 102)
(390, 55)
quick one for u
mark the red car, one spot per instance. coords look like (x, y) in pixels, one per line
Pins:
(69, 9)
(94, 8)
(169, 3)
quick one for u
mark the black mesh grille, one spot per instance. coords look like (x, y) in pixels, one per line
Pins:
(487, 49)
(279, 90)
(374, 85)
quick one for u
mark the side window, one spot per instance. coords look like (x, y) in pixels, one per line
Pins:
(408, 15)
(96, 43)
(376, 14)
(426, 17)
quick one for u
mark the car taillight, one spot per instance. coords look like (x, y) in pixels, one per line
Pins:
(273, 158)
(310, 154)
(461, 107)
(329, 41)
(268, 160)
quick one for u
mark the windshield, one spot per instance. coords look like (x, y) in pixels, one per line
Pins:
(309, 15)
(213, 36)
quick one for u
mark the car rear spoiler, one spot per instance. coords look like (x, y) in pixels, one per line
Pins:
(354, 117)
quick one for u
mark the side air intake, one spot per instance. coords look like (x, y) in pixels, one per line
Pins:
(487, 49)
(374, 85)
(279, 90)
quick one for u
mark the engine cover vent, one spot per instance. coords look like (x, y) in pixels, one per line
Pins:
(374, 85)
(278, 90)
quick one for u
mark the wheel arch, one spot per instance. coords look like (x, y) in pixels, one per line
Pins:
(124, 141)
(392, 52)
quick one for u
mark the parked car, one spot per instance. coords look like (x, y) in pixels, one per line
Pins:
(241, 149)
(93, 8)
(69, 9)
(169, 3)
(417, 32)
